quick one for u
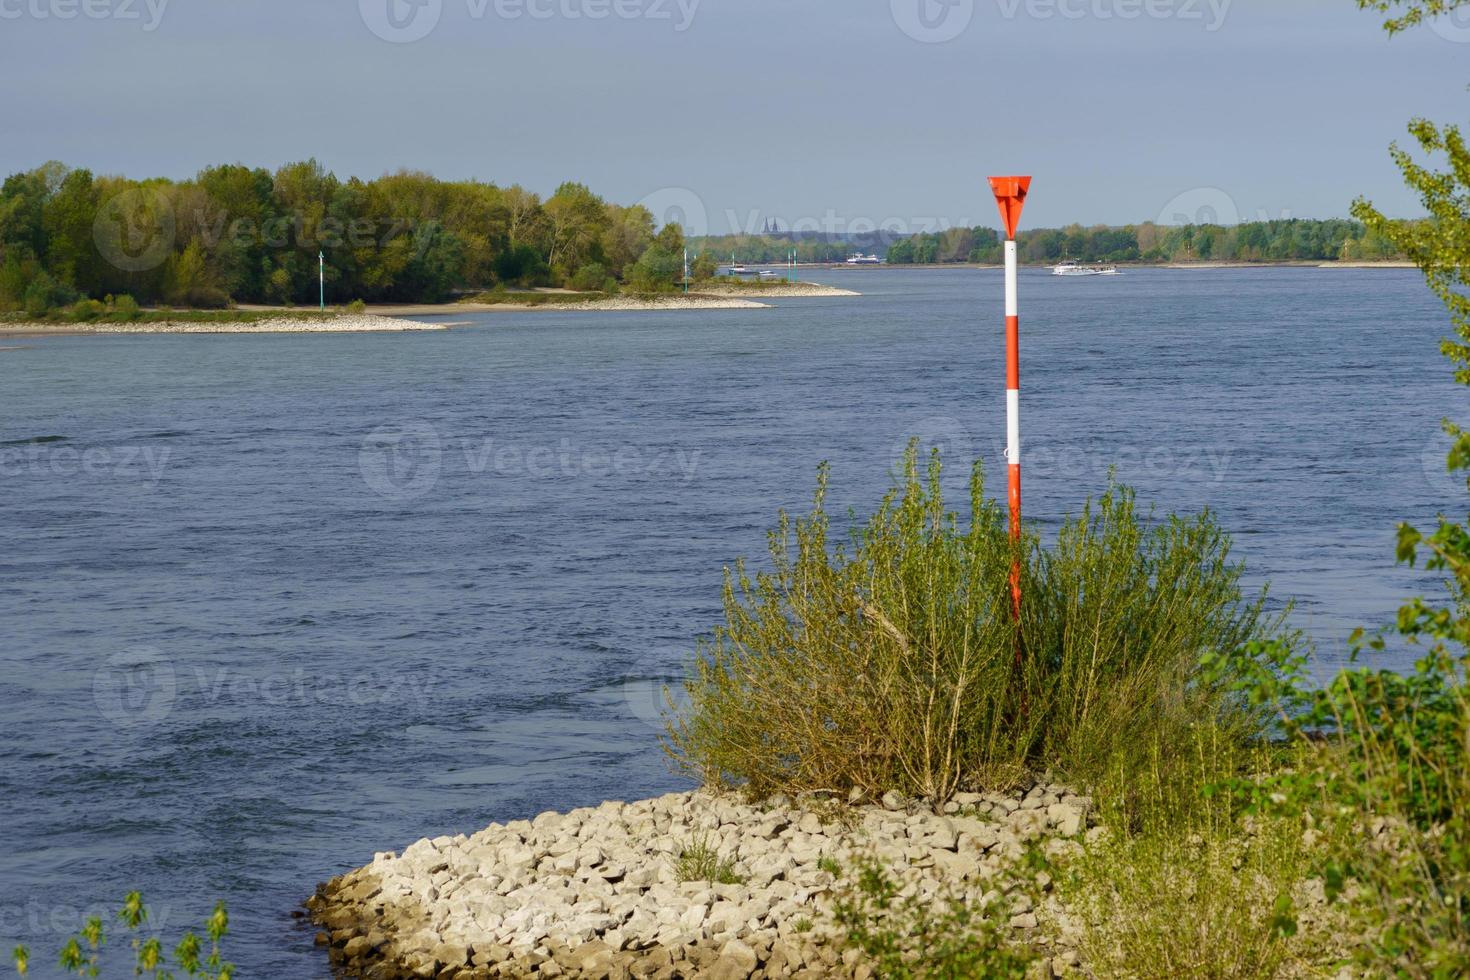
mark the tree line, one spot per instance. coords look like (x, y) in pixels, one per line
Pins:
(1293, 239)
(241, 234)
(237, 234)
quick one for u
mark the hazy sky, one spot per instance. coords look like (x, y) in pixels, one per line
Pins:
(820, 112)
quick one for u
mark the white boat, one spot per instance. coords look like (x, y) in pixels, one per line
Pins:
(1077, 269)
(770, 274)
(858, 258)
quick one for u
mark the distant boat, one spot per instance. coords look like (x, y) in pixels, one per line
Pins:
(770, 274)
(736, 269)
(1075, 269)
(858, 258)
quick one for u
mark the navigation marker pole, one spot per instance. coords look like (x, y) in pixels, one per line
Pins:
(1010, 196)
(321, 273)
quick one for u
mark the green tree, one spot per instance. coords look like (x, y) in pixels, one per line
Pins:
(661, 266)
(1410, 12)
(628, 234)
(704, 267)
(577, 219)
(67, 221)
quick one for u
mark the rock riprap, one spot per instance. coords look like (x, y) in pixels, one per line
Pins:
(603, 891)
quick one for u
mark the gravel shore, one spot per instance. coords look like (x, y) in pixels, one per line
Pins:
(601, 892)
(680, 302)
(778, 289)
(346, 323)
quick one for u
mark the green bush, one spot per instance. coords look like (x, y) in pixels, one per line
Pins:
(1401, 761)
(903, 936)
(85, 311)
(357, 307)
(892, 662)
(44, 294)
(125, 308)
(1196, 905)
(590, 278)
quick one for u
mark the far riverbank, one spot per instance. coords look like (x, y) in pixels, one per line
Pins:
(313, 323)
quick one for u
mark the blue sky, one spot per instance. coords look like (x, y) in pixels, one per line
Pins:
(823, 113)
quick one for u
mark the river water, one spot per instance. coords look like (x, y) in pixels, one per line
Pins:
(271, 603)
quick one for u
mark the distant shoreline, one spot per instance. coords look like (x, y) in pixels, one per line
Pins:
(1292, 264)
(400, 317)
(286, 323)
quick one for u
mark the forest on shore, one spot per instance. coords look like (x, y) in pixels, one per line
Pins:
(1285, 240)
(235, 234)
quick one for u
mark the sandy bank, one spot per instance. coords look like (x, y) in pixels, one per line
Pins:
(694, 301)
(777, 289)
(600, 892)
(1302, 264)
(283, 324)
(1367, 265)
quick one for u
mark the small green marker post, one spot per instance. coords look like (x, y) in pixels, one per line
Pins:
(321, 273)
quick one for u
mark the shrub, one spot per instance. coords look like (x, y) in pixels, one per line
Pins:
(357, 307)
(903, 935)
(1396, 763)
(1197, 905)
(657, 270)
(124, 307)
(85, 311)
(892, 662)
(44, 294)
(590, 277)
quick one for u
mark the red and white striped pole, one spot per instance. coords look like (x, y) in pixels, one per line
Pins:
(1010, 196)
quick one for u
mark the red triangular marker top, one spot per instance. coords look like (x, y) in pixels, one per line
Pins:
(1010, 196)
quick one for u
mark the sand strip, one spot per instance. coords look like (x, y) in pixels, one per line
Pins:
(284, 324)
